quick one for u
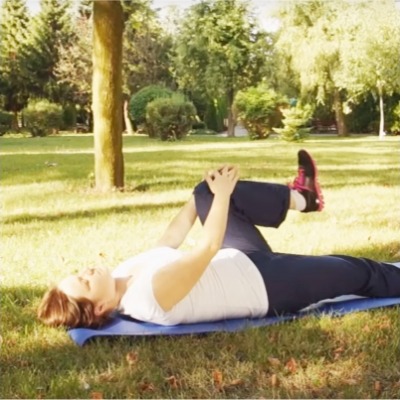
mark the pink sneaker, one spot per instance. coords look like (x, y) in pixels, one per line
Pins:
(307, 184)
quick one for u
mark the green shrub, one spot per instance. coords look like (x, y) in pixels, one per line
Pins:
(43, 117)
(395, 125)
(69, 116)
(5, 122)
(170, 118)
(258, 109)
(139, 101)
(295, 120)
(198, 125)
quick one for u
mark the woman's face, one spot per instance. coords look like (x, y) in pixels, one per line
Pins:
(95, 284)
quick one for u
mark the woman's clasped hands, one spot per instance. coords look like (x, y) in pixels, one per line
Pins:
(223, 180)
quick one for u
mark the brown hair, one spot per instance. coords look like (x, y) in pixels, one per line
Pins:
(58, 309)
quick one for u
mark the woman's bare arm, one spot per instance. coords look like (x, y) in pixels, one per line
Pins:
(180, 226)
(173, 282)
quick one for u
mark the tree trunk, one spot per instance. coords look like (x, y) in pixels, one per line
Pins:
(338, 107)
(381, 112)
(107, 94)
(14, 122)
(127, 120)
(231, 116)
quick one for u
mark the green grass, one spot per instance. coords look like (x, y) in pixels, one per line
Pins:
(54, 223)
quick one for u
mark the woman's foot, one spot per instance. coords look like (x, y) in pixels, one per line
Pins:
(306, 182)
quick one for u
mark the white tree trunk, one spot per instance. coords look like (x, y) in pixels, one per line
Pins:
(382, 116)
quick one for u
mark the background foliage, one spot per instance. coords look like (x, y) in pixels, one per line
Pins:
(325, 54)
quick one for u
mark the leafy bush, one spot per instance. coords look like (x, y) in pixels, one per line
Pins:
(295, 120)
(139, 101)
(258, 110)
(69, 116)
(395, 126)
(170, 118)
(5, 121)
(43, 117)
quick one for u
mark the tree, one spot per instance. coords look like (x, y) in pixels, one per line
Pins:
(310, 38)
(220, 50)
(13, 33)
(74, 66)
(371, 52)
(108, 25)
(52, 28)
(147, 46)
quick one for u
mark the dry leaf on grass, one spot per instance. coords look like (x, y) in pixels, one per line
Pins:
(291, 365)
(234, 383)
(217, 379)
(377, 387)
(274, 380)
(132, 358)
(146, 387)
(338, 352)
(96, 395)
(173, 382)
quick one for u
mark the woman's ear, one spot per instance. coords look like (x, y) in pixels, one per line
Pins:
(101, 308)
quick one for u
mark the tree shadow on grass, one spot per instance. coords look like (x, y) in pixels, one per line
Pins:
(26, 218)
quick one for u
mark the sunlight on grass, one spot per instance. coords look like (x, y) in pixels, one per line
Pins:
(55, 223)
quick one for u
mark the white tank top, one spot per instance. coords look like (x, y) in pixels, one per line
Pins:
(230, 287)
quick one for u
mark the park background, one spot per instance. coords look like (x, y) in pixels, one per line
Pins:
(319, 75)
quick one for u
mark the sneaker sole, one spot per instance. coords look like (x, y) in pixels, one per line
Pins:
(318, 191)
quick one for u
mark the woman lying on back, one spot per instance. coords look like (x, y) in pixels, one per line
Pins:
(230, 273)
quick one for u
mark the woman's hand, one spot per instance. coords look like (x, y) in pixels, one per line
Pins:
(222, 181)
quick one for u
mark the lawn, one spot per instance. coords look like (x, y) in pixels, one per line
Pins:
(55, 223)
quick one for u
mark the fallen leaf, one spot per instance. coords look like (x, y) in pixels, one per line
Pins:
(291, 365)
(234, 383)
(173, 382)
(274, 380)
(338, 352)
(275, 362)
(217, 379)
(132, 358)
(377, 387)
(146, 387)
(96, 395)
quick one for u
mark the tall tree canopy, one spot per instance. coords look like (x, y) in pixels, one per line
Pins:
(147, 48)
(370, 52)
(220, 50)
(74, 67)
(310, 37)
(52, 28)
(13, 34)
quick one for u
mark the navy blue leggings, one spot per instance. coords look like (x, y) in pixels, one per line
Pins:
(293, 281)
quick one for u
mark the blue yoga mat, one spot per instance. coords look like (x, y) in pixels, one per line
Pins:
(123, 326)
(126, 327)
